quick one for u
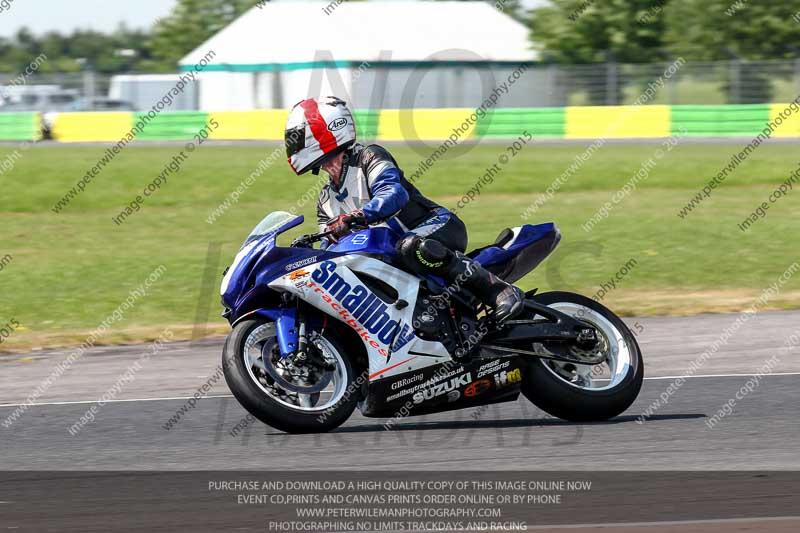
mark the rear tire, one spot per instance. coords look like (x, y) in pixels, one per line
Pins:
(279, 414)
(555, 395)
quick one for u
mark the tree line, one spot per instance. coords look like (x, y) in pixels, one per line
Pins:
(156, 49)
(563, 31)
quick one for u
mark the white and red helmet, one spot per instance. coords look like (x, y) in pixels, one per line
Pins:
(317, 129)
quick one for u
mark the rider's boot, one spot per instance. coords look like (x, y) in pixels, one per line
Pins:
(506, 299)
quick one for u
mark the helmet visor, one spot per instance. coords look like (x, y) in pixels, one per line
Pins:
(295, 140)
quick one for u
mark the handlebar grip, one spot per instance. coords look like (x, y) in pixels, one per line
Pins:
(311, 238)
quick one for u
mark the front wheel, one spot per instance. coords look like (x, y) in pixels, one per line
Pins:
(306, 398)
(587, 393)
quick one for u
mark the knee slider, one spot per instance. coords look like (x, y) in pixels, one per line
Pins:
(423, 254)
(432, 254)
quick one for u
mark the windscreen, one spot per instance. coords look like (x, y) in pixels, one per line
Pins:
(271, 224)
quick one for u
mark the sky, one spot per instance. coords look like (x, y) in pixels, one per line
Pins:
(67, 15)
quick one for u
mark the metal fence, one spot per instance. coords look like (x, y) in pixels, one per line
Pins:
(672, 82)
(682, 82)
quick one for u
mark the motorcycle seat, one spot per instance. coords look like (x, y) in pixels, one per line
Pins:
(502, 239)
(517, 251)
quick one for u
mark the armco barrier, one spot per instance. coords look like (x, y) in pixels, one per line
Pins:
(173, 126)
(649, 121)
(265, 125)
(617, 122)
(789, 127)
(20, 126)
(366, 123)
(511, 122)
(720, 120)
(424, 124)
(91, 127)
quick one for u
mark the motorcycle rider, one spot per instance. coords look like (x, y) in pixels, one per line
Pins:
(367, 187)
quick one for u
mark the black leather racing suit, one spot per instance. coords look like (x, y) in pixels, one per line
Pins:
(434, 239)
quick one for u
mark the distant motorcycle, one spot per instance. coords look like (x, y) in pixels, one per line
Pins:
(318, 333)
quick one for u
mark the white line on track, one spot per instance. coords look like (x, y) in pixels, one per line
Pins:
(725, 375)
(80, 402)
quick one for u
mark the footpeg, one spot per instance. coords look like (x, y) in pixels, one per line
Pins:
(509, 304)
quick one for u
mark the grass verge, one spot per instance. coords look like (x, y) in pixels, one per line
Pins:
(70, 270)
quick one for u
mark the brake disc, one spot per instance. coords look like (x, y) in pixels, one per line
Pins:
(280, 380)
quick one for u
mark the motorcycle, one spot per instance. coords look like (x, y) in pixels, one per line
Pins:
(317, 333)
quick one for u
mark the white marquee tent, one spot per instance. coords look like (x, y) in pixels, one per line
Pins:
(390, 54)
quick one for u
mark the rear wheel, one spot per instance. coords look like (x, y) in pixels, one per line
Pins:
(584, 393)
(296, 398)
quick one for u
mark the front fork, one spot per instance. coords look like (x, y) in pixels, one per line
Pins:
(285, 319)
(292, 328)
(299, 327)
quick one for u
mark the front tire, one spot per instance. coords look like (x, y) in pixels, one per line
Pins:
(575, 392)
(267, 401)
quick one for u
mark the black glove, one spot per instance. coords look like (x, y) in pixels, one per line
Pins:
(345, 223)
(301, 242)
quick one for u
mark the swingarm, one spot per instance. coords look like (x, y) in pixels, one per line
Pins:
(550, 334)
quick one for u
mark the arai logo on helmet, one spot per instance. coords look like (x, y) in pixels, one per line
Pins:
(337, 124)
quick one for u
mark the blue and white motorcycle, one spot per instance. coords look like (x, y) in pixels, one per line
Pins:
(318, 333)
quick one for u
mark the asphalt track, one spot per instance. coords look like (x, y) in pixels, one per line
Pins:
(128, 433)
(761, 433)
